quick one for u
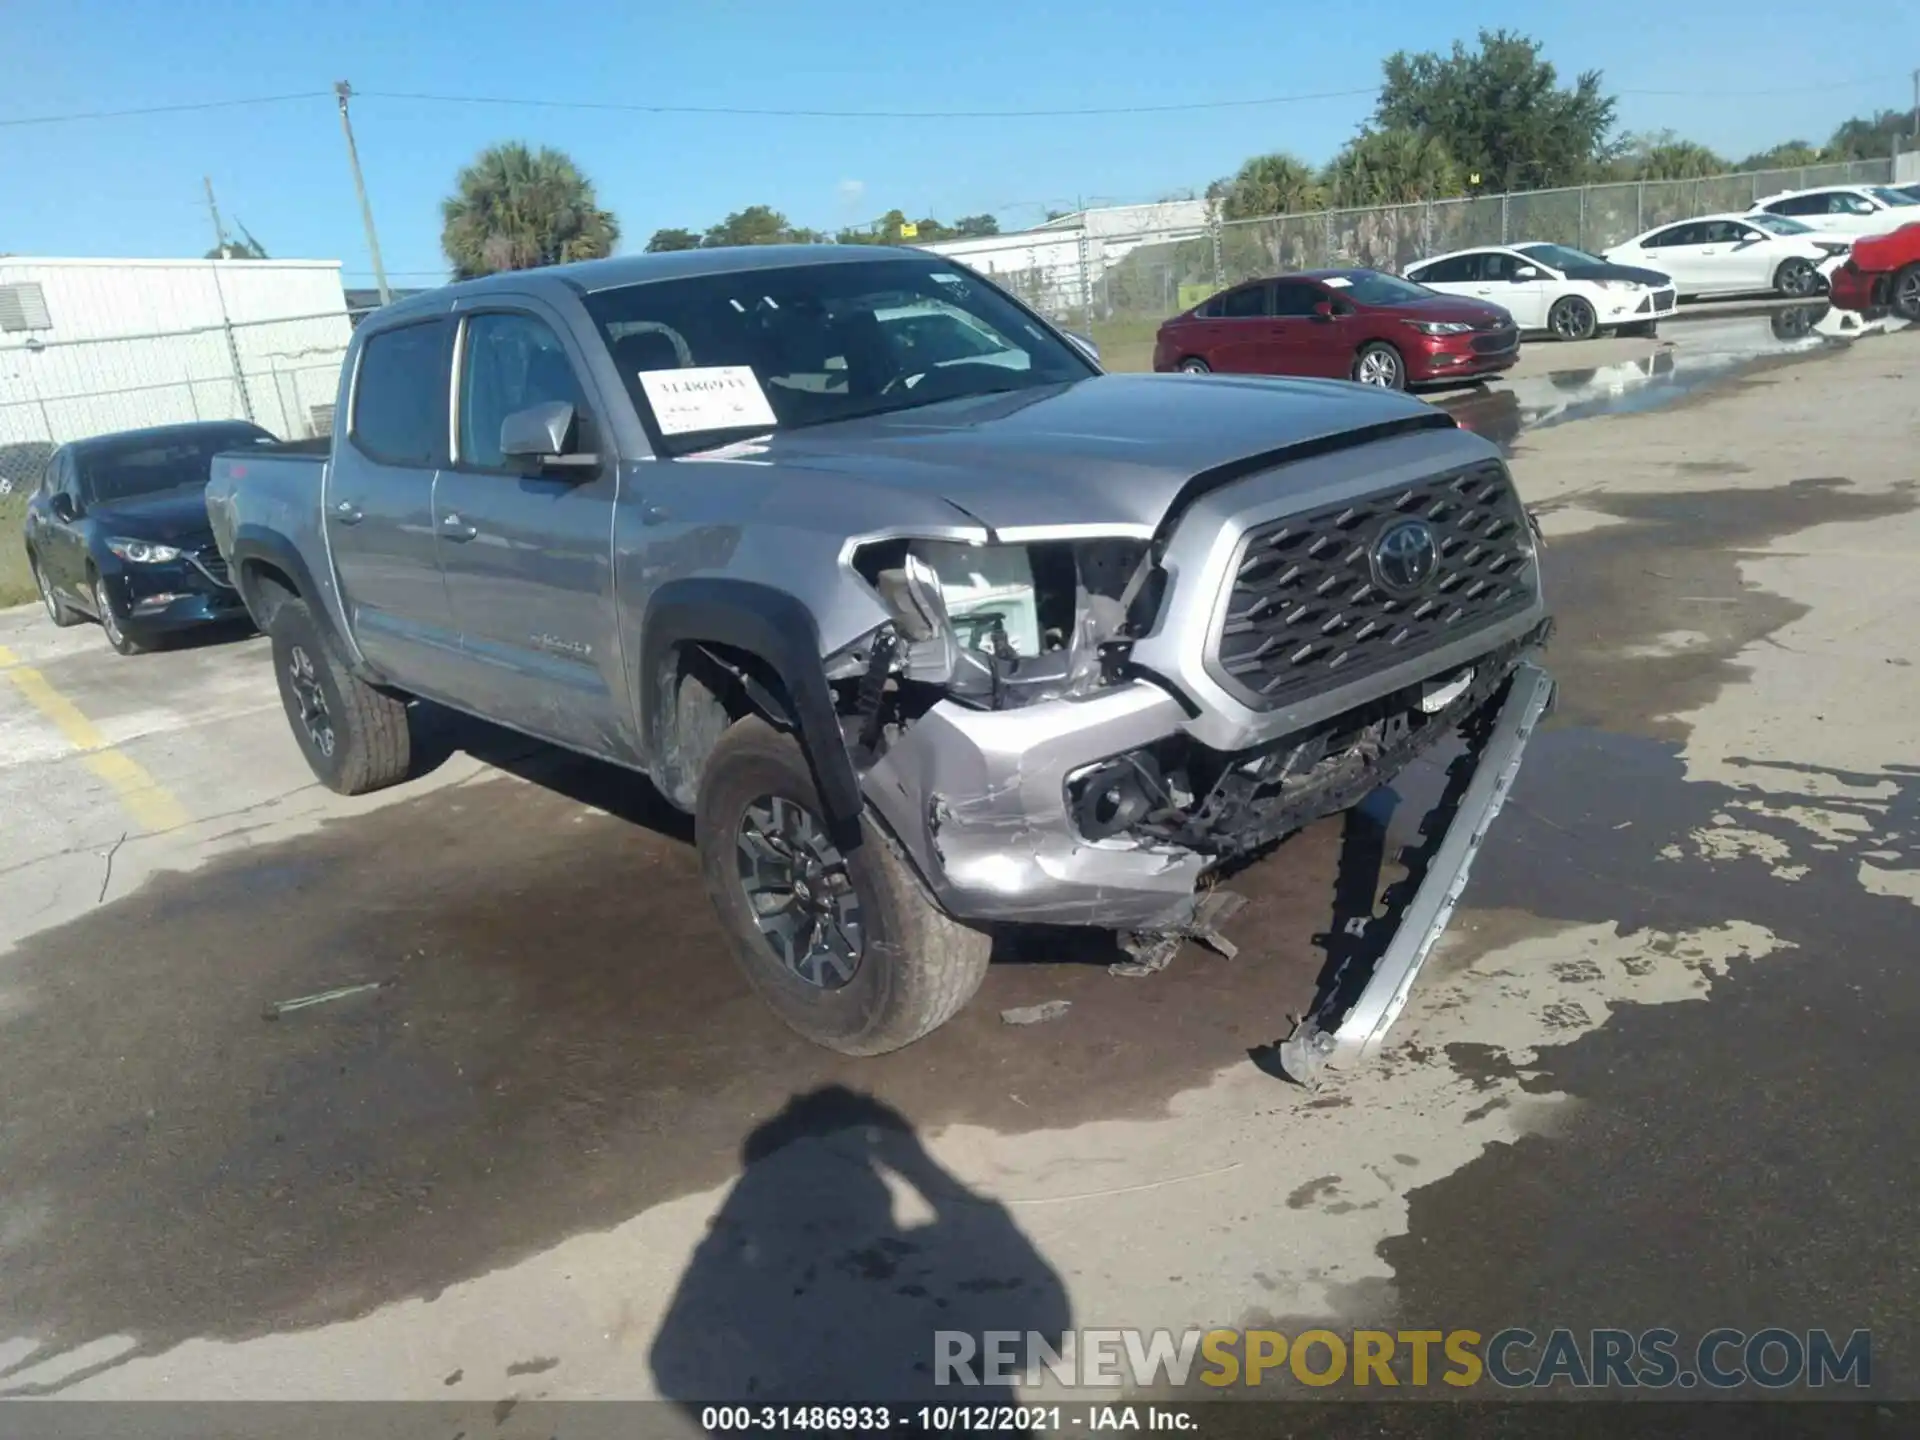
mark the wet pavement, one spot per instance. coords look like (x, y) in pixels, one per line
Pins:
(561, 1044)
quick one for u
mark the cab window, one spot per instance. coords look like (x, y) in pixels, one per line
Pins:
(510, 362)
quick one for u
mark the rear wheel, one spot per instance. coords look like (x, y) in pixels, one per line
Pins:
(1378, 363)
(111, 624)
(1796, 278)
(1572, 319)
(848, 948)
(354, 737)
(1194, 365)
(58, 611)
(1904, 294)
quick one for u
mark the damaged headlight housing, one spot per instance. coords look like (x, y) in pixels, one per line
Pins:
(999, 625)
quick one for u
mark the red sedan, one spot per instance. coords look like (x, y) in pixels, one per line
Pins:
(1343, 324)
(1882, 270)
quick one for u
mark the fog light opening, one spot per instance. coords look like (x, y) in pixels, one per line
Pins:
(1111, 799)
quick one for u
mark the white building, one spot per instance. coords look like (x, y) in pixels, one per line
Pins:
(1057, 266)
(88, 346)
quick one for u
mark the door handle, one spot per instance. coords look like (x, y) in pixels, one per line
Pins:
(456, 529)
(653, 514)
(348, 513)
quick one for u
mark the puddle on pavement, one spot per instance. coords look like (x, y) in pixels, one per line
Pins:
(565, 1042)
(1698, 353)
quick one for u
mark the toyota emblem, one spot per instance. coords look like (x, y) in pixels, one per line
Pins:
(1404, 557)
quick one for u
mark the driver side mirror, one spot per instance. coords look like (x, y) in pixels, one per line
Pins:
(61, 504)
(1525, 272)
(543, 436)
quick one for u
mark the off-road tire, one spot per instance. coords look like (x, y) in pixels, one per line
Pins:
(1572, 319)
(58, 611)
(372, 747)
(111, 624)
(1903, 293)
(918, 965)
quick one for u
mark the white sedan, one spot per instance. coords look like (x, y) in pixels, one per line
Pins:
(1847, 209)
(1736, 255)
(1552, 287)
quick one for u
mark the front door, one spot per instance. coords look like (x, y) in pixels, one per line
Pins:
(379, 508)
(528, 556)
(1525, 300)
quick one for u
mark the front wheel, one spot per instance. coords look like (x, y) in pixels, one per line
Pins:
(1796, 278)
(110, 623)
(1194, 365)
(58, 611)
(1904, 294)
(1572, 319)
(354, 737)
(1379, 364)
(847, 947)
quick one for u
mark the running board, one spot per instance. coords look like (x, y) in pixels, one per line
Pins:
(1360, 1032)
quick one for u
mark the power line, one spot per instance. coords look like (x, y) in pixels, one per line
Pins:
(164, 109)
(636, 107)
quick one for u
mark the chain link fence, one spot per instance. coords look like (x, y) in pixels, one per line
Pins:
(281, 374)
(1119, 288)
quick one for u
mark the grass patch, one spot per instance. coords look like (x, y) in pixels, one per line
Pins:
(1126, 344)
(16, 581)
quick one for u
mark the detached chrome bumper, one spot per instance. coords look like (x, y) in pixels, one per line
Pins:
(1323, 1039)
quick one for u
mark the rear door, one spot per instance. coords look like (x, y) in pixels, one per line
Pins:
(1455, 275)
(379, 507)
(1301, 342)
(1238, 339)
(528, 556)
(1681, 251)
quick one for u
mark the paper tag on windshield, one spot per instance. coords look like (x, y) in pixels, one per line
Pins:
(709, 397)
(1338, 282)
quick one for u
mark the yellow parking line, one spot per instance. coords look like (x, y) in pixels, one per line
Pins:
(149, 802)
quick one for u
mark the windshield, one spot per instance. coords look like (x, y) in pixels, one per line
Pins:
(1560, 257)
(1370, 287)
(1779, 224)
(110, 472)
(1891, 195)
(718, 357)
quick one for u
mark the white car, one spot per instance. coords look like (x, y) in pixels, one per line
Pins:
(1848, 209)
(1736, 255)
(1555, 288)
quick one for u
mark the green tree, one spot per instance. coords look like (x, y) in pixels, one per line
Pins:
(1392, 167)
(1663, 155)
(972, 225)
(515, 209)
(1276, 184)
(1501, 112)
(1869, 138)
(1791, 155)
(759, 225)
(672, 239)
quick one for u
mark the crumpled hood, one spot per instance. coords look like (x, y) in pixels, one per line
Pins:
(1111, 451)
(170, 517)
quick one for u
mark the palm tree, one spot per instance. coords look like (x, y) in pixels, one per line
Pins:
(1392, 167)
(515, 208)
(1276, 184)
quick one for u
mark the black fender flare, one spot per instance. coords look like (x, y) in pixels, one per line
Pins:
(779, 631)
(256, 542)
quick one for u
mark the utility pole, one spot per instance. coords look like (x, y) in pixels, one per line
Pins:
(345, 91)
(219, 230)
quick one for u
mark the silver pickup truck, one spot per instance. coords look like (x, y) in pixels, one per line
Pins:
(928, 622)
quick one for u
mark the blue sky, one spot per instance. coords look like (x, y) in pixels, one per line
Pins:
(132, 186)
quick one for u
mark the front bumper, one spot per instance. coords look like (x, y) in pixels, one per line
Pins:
(1457, 357)
(1349, 1025)
(1853, 289)
(176, 595)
